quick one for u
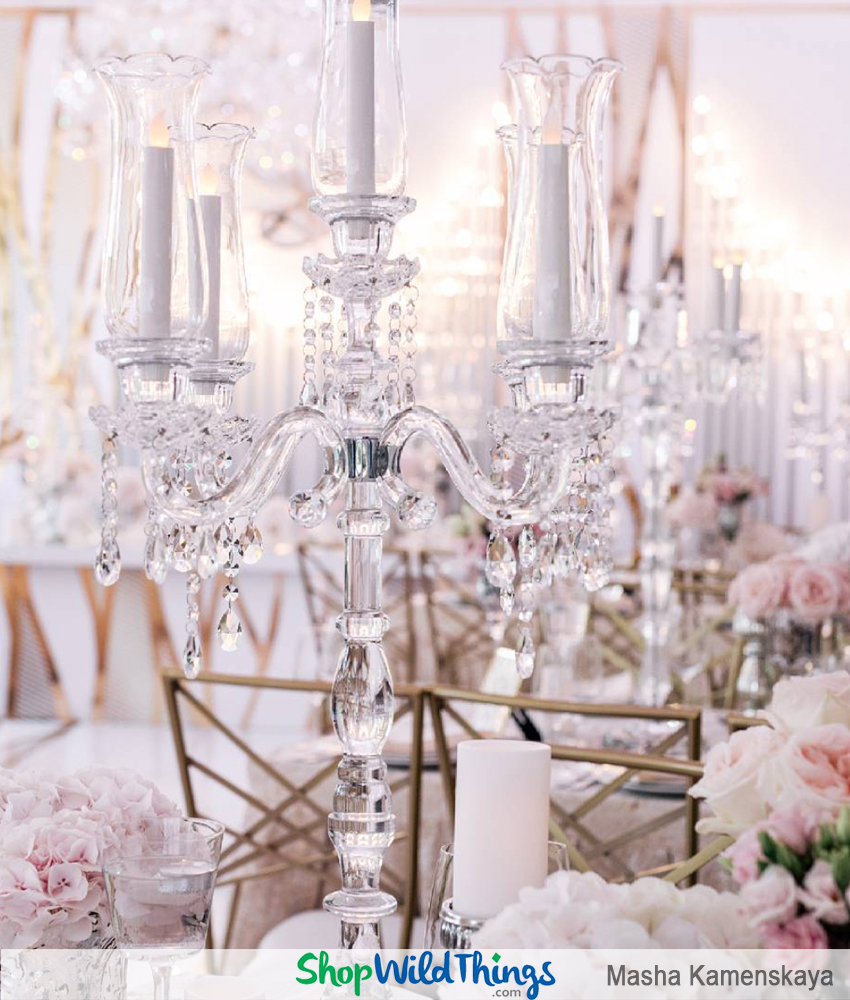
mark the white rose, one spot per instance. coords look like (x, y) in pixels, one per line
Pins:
(804, 702)
(730, 784)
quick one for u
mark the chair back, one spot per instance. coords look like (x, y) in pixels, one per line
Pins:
(277, 859)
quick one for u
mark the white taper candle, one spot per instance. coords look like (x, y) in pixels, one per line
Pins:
(553, 284)
(211, 212)
(360, 123)
(155, 262)
(735, 298)
(501, 823)
(657, 244)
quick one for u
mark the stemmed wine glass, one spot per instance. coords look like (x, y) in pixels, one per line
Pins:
(160, 894)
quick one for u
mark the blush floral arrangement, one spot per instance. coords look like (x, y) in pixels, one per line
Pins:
(54, 833)
(784, 791)
(812, 591)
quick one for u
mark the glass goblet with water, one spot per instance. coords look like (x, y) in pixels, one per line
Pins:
(160, 893)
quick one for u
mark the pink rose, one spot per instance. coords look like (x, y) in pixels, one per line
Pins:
(771, 899)
(801, 932)
(813, 593)
(812, 770)
(821, 895)
(758, 590)
(731, 781)
(794, 827)
(693, 510)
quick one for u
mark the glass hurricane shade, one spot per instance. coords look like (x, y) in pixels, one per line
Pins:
(555, 289)
(154, 276)
(359, 135)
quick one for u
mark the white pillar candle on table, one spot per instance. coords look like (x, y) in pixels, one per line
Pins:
(223, 988)
(155, 263)
(735, 297)
(360, 122)
(501, 835)
(658, 214)
(553, 284)
(211, 213)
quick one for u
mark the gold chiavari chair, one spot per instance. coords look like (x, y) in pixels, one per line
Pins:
(34, 689)
(461, 638)
(275, 802)
(592, 844)
(321, 568)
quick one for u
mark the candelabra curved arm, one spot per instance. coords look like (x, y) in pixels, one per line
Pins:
(259, 473)
(545, 480)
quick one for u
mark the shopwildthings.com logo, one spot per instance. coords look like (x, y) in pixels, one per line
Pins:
(427, 968)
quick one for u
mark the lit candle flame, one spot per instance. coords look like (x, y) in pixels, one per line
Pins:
(158, 131)
(361, 10)
(659, 211)
(209, 180)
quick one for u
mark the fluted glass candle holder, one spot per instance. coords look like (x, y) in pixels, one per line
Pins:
(219, 152)
(154, 262)
(359, 135)
(555, 289)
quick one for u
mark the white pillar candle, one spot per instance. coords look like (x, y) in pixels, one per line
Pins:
(360, 123)
(657, 243)
(553, 285)
(155, 263)
(211, 213)
(719, 295)
(735, 298)
(223, 988)
(501, 831)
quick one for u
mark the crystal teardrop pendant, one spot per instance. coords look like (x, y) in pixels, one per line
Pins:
(525, 656)
(107, 565)
(251, 544)
(156, 557)
(526, 547)
(229, 631)
(207, 557)
(181, 550)
(500, 565)
(192, 657)
(506, 599)
(223, 541)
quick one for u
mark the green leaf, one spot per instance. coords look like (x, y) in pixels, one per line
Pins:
(842, 826)
(769, 846)
(841, 868)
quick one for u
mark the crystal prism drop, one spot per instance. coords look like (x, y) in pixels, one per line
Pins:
(309, 396)
(308, 509)
(181, 550)
(156, 557)
(526, 547)
(525, 656)
(107, 565)
(506, 599)
(229, 631)
(561, 557)
(223, 541)
(500, 565)
(417, 511)
(192, 658)
(251, 544)
(208, 557)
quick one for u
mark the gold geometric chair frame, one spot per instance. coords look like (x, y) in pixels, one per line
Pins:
(686, 723)
(273, 843)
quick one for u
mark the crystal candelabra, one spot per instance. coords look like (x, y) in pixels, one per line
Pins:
(177, 314)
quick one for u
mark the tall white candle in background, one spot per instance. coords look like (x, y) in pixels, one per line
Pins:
(211, 213)
(360, 123)
(658, 214)
(553, 285)
(735, 296)
(501, 823)
(155, 263)
(719, 294)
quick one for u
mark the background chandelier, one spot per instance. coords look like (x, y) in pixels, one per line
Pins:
(176, 309)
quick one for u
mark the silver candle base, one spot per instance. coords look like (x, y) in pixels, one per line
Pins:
(457, 932)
